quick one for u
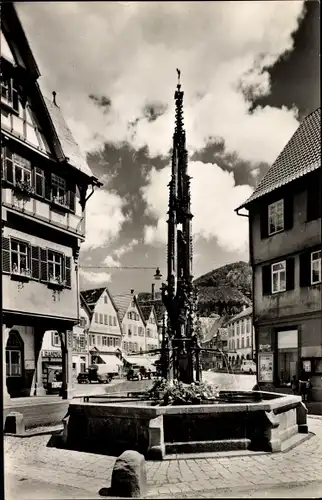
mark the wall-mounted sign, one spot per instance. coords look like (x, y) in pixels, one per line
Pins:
(265, 367)
(51, 354)
(307, 365)
(264, 347)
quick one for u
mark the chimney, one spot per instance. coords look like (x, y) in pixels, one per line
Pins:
(152, 291)
(132, 291)
(54, 98)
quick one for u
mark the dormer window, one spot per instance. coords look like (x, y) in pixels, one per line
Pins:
(9, 92)
(58, 190)
(276, 217)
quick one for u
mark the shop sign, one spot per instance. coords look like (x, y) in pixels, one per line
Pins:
(265, 367)
(51, 354)
(307, 365)
(264, 347)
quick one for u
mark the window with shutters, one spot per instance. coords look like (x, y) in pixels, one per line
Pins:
(276, 217)
(105, 319)
(55, 267)
(110, 322)
(96, 317)
(104, 341)
(316, 267)
(20, 258)
(114, 320)
(9, 91)
(58, 190)
(279, 277)
(105, 299)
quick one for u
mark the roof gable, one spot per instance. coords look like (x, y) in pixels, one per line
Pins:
(123, 303)
(91, 296)
(301, 155)
(243, 314)
(57, 134)
(18, 45)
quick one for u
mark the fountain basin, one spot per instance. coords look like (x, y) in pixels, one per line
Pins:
(252, 420)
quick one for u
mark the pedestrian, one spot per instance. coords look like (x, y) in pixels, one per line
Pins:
(294, 385)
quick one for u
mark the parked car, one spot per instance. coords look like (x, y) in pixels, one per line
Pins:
(82, 377)
(134, 373)
(248, 366)
(99, 373)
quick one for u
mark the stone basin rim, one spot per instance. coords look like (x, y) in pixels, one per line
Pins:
(279, 401)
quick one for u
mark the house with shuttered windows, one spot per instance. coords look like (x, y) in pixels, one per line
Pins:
(285, 254)
(45, 184)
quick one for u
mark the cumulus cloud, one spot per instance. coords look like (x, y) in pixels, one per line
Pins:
(214, 198)
(125, 248)
(125, 55)
(94, 278)
(104, 219)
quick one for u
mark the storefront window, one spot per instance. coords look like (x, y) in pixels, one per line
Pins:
(13, 363)
(287, 355)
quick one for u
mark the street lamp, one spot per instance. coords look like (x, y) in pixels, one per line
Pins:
(157, 275)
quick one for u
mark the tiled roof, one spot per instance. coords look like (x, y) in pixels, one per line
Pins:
(247, 312)
(145, 299)
(301, 155)
(91, 296)
(146, 311)
(70, 148)
(212, 329)
(122, 303)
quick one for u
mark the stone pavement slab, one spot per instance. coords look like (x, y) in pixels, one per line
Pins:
(201, 477)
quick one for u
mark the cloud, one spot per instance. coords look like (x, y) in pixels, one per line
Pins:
(94, 278)
(104, 219)
(125, 248)
(129, 52)
(214, 198)
(111, 262)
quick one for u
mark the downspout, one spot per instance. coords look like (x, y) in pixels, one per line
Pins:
(251, 262)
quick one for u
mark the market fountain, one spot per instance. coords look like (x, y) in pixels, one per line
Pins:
(185, 415)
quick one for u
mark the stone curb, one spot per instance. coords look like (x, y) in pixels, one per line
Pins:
(154, 492)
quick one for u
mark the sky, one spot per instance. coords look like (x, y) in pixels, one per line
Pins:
(250, 73)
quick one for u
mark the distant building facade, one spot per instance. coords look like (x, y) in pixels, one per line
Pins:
(104, 331)
(241, 337)
(45, 178)
(285, 253)
(132, 323)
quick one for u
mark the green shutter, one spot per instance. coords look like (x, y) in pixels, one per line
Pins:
(290, 264)
(43, 264)
(264, 221)
(35, 262)
(305, 269)
(267, 280)
(68, 271)
(5, 255)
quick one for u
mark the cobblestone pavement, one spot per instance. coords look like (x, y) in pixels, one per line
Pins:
(31, 458)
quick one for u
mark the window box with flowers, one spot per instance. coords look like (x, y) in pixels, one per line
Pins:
(24, 188)
(56, 282)
(22, 274)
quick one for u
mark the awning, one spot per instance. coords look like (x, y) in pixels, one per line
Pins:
(111, 360)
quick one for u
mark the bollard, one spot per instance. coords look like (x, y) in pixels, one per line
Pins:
(14, 423)
(129, 476)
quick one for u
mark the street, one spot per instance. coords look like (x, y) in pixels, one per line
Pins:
(34, 470)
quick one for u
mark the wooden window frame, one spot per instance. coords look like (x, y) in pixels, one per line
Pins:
(278, 272)
(273, 217)
(312, 261)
